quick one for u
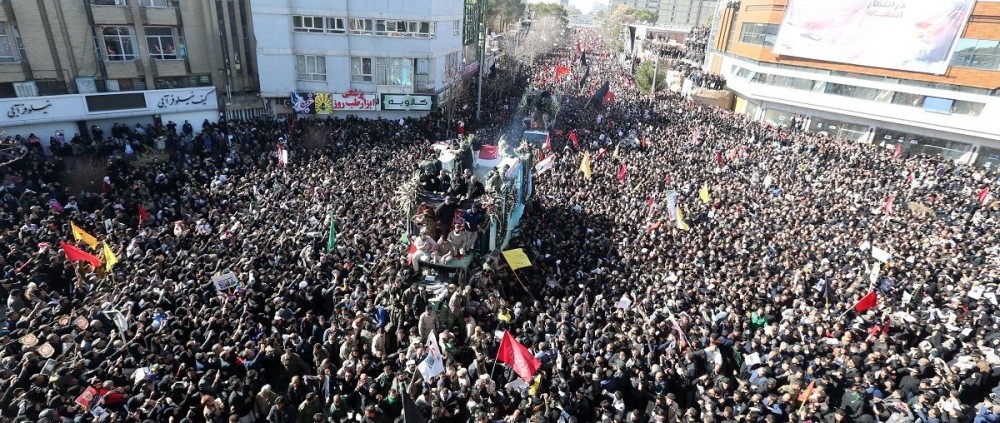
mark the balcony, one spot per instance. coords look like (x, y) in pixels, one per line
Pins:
(111, 15)
(169, 67)
(160, 16)
(123, 69)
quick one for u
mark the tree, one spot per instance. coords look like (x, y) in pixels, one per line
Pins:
(504, 13)
(613, 22)
(542, 10)
(644, 76)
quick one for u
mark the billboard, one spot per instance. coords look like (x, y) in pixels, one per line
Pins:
(326, 103)
(910, 35)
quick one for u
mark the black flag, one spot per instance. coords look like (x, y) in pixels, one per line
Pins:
(583, 59)
(583, 79)
(598, 99)
(411, 414)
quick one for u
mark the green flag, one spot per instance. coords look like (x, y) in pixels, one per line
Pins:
(332, 240)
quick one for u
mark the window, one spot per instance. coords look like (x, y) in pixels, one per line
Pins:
(423, 77)
(308, 23)
(361, 69)
(456, 27)
(6, 46)
(160, 42)
(119, 43)
(310, 68)
(908, 99)
(759, 33)
(110, 2)
(335, 25)
(394, 71)
(361, 26)
(154, 3)
(977, 54)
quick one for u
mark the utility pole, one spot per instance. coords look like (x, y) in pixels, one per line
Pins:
(481, 47)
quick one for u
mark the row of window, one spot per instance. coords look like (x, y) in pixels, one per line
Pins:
(935, 104)
(365, 26)
(119, 43)
(762, 34)
(378, 70)
(143, 3)
(977, 54)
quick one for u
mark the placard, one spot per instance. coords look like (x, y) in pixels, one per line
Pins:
(407, 102)
(225, 281)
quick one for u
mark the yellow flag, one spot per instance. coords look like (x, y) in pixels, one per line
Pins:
(704, 194)
(516, 258)
(82, 235)
(681, 224)
(585, 165)
(109, 257)
(535, 386)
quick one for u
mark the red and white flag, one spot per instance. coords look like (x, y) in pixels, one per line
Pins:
(887, 207)
(983, 195)
(517, 356)
(622, 172)
(898, 152)
(282, 156)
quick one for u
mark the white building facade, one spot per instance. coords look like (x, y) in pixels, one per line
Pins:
(365, 57)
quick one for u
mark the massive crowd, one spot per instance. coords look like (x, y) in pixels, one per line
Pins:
(746, 316)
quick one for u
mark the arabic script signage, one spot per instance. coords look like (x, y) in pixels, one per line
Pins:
(23, 110)
(326, 103)
(407, 102)
(191, 98)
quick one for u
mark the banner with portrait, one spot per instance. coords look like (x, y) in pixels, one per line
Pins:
(910, 35)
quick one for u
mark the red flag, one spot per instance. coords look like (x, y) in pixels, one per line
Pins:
(622, 172)
(887, 207)
(803, 397)
(898, 152)
(561, 70)
(489, 152)
(718, 157)
(517, 357)
(143, 216)
(609, 97)
(76, 254)
(983, 195)
(867, 302)
(651, 203)
(574, 138)
(600, 153)
(548, 143)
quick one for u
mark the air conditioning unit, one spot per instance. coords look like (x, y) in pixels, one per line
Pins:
(26, 89)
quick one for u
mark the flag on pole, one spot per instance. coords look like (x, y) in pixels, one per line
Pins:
(331, 240)
(585, 165)
(544, 165)
(599, 96)
(109, 257)
(574, 138)
(616, 155)
(516, 258)
(694, 137)
(867, 302)
(560, 71)
(623, 172)
(411, 414)
(651, 203)
(143, 216)
(583, 79)
(681, 224)
(887, 207)
(433, 364)
(82, 235)
(583, 59)
(609, 97)
(983, 195)
(704, 194)
(76, 254)
(898, 152)
(517, 356)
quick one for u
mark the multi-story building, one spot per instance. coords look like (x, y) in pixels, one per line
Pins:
(358, 56)
(925, 75)
(65, 66)
(650, 5)
(685, 13)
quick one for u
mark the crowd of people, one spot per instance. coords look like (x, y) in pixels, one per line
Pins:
(710, 270)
